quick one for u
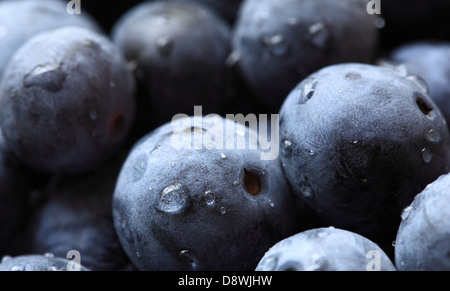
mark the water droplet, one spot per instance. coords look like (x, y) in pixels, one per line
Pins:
(262, 17)
(49, 255)
(172, 165)
(318, 35)
(406, 212)
(427, 155)
(269, 263)
(164, 45)
(210, 198)
(433, 136)
(393, 243)
(162, 19)
(287, 143)
(271, 203)
(235, 183)
(223, 210)
(292, 21)
(277, 45)
(173, 199)
(93, 114)
(311, 152)
(189, 258)
(223, 156)
(49, 76)
(233, 59)
(309, 88)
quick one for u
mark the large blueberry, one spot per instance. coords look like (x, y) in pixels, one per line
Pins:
(359, 142)
(278, 43)
(76, 215)
(325, 249)
(431, 61)
(22, 19)
(179, 51)
(423, 236)
(185, 204)
(66, 101)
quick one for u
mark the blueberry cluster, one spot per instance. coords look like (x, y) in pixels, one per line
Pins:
(105, 165)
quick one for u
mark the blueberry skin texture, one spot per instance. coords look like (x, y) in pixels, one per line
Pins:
(76, 215)
(66, 101)
(13, 200)
(422, 238)
(39, 263)
(281, 42)
(191, 210)
(179, 51)
(431, 61)
(21, 20)
(325, 249)
(358, 142)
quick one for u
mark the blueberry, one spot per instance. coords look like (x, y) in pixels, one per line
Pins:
(22, 19)
(39, 263)
(431, 61)
(359, 142)
(278, 43)
(200, 209)
(66, 101)
(422, 238)
(179, 52)
(76, 215)
(325, 249)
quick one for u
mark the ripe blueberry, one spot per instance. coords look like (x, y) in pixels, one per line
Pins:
(359, 142)
(66, 101)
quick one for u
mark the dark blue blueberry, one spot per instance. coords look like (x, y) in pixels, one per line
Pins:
(76, 215)
(200, 209)
(278, 43)
(325, 249)
(20, 20)
(423, 236)
(359, 142)
(66, 101)
(178, 50)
